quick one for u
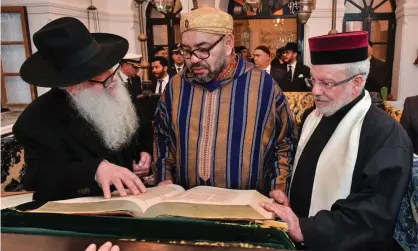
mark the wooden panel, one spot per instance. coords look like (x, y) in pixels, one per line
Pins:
(12, 42)
(12, 242)
(11, 8)
(10, 74)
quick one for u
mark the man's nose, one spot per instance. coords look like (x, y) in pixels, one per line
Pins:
(195, 59)
(316, 90)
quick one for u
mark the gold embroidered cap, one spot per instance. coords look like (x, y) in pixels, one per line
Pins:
(208, 20)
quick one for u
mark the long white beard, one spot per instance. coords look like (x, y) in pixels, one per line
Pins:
(113, 116)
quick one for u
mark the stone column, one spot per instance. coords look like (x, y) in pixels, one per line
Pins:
(405, 73)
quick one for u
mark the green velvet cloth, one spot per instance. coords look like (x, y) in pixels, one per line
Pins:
(167, 229)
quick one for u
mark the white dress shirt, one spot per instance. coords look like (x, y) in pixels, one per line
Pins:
(293, 68)
(123, 76)
(164, 82)
(179, 67)
(268, 69)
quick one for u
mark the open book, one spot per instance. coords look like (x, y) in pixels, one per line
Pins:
(199, 202)
(12, 199)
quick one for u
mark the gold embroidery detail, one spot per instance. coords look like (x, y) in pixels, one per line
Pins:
(205, 148)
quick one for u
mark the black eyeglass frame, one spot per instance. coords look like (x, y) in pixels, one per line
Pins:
(204, 50)
(106, 82)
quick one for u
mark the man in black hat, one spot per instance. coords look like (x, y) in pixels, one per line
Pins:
(178, 60)
(80, 137)
(296, 72)
(279, 59)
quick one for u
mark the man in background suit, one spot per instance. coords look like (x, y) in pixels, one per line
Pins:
(129, 74)
(245, 53)
(178, 60)
(279, 59)
(262, 60)
(378, 76)
(296, 72)
(409, 120)
(159, 68)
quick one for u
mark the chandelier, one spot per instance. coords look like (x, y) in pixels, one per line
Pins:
(164, 6)
(93, 16)
(301, 8)
(305, 9)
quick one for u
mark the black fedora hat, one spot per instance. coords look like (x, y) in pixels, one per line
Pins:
(68, 54)
(291, 46)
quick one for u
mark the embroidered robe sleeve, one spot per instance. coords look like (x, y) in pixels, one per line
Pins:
(284, 143)
(164, 146)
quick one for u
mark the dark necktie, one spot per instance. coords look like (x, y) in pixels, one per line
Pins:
(289, 73)
(160, 89)
(178, 70)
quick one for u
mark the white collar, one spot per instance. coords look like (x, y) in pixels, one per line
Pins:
(165, 79)
(268, 68)
(293, 65)
(123, 76)
(179, 66)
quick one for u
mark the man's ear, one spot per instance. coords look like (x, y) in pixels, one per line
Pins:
(358, 84)
(229, 43)
(166, 68)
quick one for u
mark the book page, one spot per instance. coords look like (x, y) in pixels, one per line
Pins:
(214, 196)
(96, 204)
(213, 203)
(152, 196)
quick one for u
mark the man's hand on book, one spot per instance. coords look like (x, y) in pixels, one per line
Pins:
(105, 247)
(142, 168)
(109, 174)
(280, 207)
(279, 197)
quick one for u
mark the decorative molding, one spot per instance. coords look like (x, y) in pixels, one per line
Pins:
(407, 10)
(74, 11)
(327, 13)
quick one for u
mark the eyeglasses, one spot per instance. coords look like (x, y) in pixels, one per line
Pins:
(108, 80)
(201, 53)
(328, 85)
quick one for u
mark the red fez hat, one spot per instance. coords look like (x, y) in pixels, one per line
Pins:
(340, 48)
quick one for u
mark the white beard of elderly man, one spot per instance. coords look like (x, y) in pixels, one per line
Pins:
(81, 137)
(353, 161)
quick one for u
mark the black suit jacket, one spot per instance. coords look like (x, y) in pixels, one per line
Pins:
(62, 151)
(134, 87)
(378, 76)
(409, 120)
(298, 83)
(277, 73)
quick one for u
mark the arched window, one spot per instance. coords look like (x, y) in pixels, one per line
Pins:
(378, 18)
(163, 29)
